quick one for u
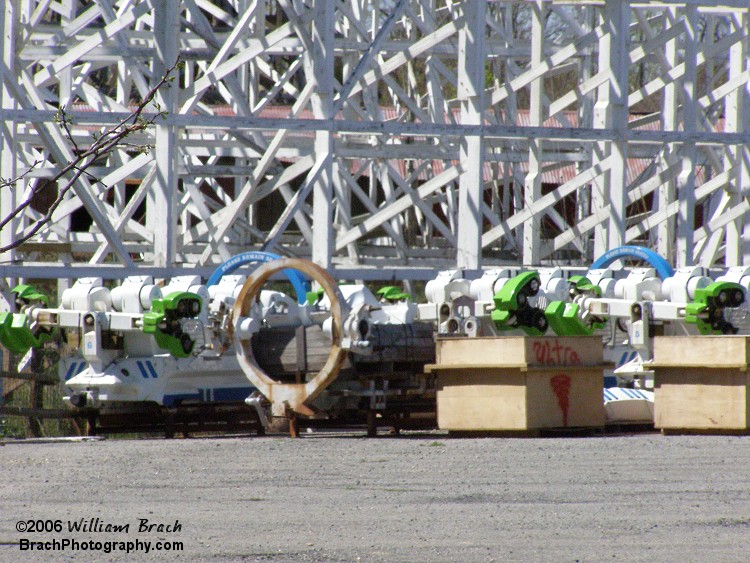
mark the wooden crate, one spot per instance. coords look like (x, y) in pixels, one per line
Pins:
(520, 351)
(519, 383)
(701, 383)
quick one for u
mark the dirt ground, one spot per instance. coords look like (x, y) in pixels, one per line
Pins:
(418, 497)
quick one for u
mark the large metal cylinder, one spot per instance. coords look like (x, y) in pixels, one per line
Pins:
(288, 353)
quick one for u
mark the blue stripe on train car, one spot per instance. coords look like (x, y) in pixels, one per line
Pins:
(622, 393)
(635, 394)
(627, 357)
(151, 369)
(143, 370)
(74, 369)
(70, 371)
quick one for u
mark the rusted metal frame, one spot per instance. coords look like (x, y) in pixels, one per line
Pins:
(286, 398)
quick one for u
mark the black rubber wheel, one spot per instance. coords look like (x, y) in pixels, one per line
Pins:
(539, 321)
(723, 298)
(738, 298)
(533, 287)
(186, 342)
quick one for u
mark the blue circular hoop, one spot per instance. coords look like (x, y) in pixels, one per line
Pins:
(661, 266)
(300, 284)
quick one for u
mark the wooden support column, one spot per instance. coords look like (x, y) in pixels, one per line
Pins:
(585, 115)
(319, 67)
(618, 14)
(737, 112)
(471, 64)
(666, 193)
(514, 185)
(533, 183)
(161, 201)
(744, 150)
(8, 169)
(599, 189)
(611, 112)
(684, 251)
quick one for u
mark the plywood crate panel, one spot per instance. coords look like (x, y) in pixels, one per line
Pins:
(701, 383)
(702, 351)
(519, 351)
(519, 383)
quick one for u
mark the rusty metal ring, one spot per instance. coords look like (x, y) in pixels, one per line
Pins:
(289, 396)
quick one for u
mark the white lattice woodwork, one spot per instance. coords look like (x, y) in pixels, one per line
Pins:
(381, 139)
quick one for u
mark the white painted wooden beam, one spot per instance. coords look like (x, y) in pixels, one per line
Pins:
(9, 18)
(533, 183)
(471, 77)
(319, 70)
(161, 212)
(684, 245)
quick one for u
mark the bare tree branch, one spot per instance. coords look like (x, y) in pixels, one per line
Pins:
(103, 144)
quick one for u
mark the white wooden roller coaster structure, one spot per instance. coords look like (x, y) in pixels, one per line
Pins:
(382, 139)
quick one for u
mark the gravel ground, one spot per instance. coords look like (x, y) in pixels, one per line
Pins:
(418, 497)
